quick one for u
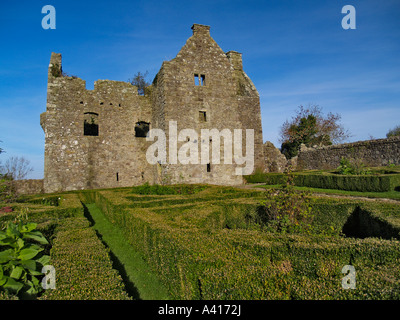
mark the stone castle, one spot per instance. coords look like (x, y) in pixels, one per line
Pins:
(97, 138)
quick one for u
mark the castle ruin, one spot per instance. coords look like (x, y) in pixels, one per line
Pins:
(97, 138)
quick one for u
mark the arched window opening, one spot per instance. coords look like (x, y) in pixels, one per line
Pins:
(90, 124)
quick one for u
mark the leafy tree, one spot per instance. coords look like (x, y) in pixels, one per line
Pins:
(393, 132)
(310, 127)
(139, 80)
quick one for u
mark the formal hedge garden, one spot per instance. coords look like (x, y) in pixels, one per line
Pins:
(213, 242)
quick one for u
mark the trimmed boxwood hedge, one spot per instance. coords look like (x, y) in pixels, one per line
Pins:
(363, 183)
(202, 247)
(83, 266)
(198, 262)
(82, 263)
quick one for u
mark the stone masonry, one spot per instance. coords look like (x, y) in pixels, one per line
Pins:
(97, 138)
(374, 153)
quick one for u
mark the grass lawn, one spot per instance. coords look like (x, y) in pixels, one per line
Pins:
(140, 282)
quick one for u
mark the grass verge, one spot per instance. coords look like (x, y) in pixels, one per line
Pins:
(140, 282)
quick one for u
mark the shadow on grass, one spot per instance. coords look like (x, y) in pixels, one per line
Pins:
(116, 264)
(130, 287)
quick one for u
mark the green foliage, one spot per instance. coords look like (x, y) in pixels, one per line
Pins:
(272, 178)
(352, 167)
(55, 70)
(157, 189)
(302, 132)
(21, 260)
(393, 132)
(83, 266)
(210, 251)
(372, 182)
(310, 127)
(7, 192)
(286, 209)
(208, 245)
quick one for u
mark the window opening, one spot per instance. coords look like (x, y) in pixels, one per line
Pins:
(199, 79)
(202, 116)
(142, 129)
(90, 124)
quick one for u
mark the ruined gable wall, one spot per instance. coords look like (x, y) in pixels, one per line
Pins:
(183, 100)
(249, 110)
(75, 161)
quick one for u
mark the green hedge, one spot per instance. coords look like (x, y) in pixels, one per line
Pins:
(83, 266)
(82, 263)
(198, 262)
(363, 183)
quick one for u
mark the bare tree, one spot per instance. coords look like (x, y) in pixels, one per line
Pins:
(16, 168)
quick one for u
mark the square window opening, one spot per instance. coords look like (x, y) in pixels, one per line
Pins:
(199, 79)
(142, 129)
(202, 116)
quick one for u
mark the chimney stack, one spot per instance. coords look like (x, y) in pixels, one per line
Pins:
(200, 29)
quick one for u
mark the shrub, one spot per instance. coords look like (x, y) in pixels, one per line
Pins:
(286, 209)
(364, 183)
(21, 260)
(7, 190)
(205, 250)
(166, 190)
(352, 167)
(83, 266)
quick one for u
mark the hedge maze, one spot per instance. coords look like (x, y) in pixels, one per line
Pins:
(206, 242)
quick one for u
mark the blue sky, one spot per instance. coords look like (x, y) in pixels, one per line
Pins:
(296, 52)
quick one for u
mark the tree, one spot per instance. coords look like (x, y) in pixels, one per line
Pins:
(1, 150)
(310, 127)
(393, 132)
(139, 80)
(16, 168)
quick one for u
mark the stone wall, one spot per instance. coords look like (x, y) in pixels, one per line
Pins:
(201, 88)
(380, 152)
(113, 156)
(275, 161)
(203, 79)
(29, 186)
